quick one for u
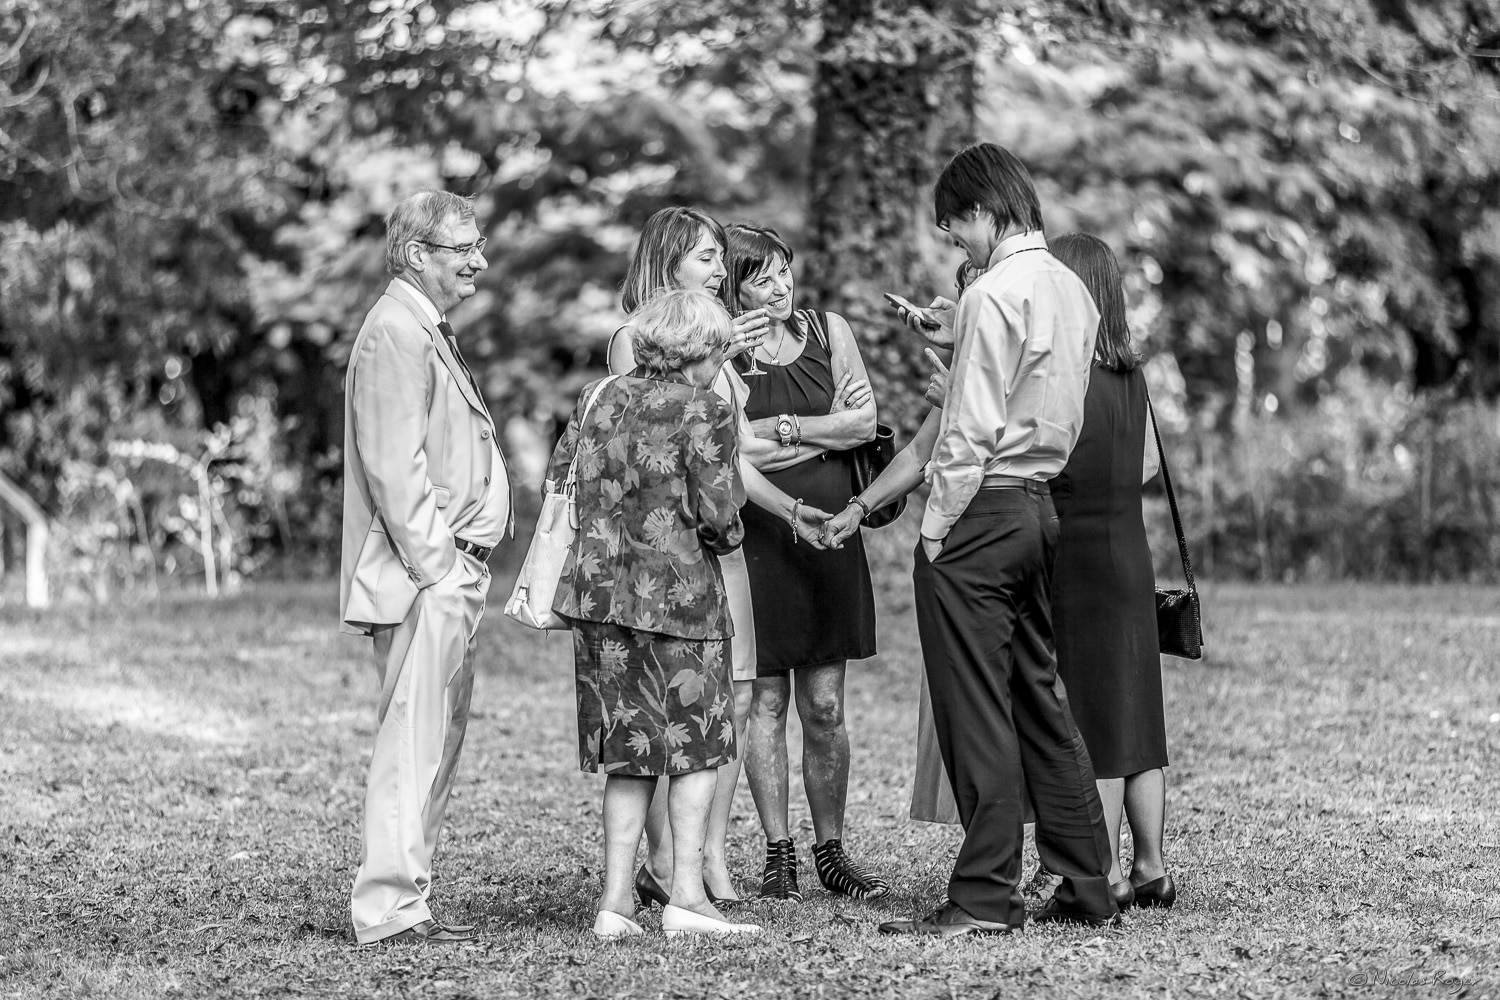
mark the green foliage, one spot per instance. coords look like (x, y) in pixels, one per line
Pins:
(1367, 484)
(191, 194)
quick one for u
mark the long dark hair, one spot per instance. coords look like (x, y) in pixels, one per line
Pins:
(751, 249)
(667, 237)
(1092, 260)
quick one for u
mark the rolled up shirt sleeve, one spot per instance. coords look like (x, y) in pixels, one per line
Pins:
(987, 347)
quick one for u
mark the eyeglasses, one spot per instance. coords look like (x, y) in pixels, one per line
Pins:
(476, 247)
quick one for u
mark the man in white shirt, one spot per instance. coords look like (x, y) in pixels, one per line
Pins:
(426, 498)
(1023, 341)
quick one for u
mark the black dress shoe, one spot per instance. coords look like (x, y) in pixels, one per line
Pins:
(1158, 892)
(648, 890)
(1124, 894)
(1055, 913)
(948, 920)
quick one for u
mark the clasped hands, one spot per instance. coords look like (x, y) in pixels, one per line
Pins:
(823, 530)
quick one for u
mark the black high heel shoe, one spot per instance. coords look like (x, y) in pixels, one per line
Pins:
(722, 902)
(1160, 892)
(1123, 893)
(648, 890)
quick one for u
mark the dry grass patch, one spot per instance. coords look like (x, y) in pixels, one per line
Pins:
(180, 783)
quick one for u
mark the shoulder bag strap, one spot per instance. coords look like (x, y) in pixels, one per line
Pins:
(819, 324)
(1166, 478)
(571, 483)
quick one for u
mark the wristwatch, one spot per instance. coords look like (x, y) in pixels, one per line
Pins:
(784, 430)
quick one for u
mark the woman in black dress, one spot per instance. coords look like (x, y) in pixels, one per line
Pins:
(814, 610)
(1103, 603)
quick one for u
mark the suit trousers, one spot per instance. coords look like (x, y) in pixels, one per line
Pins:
(1000, 712)
(426, 667)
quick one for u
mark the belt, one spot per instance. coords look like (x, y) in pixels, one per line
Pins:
(480, 552)
(995, 481)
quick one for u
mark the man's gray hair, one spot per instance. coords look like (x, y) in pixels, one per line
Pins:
(676, 328)
(421, 215)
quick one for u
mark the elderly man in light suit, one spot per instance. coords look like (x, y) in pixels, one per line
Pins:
(426, 497)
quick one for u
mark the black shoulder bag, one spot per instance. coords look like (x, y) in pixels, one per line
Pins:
(871, 458)
(1179, 619)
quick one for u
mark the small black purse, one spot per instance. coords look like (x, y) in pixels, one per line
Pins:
(1179, 618)
(871, 458)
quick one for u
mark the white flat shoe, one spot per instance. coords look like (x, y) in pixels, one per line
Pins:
(675, 920)
(609, 924)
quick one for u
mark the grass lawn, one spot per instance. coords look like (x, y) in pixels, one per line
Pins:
(180, 784)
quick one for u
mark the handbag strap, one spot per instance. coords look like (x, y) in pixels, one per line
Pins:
(819, 324)
(571, 483)
(1166, 478)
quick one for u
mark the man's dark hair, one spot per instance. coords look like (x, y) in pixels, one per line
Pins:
(987, 177)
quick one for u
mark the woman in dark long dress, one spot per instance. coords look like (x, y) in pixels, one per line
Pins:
(814, 610)
(1103, 603)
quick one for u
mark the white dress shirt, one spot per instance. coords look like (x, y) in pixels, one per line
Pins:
(1023, 343)
(487, 526)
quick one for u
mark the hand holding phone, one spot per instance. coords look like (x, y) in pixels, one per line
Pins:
(923, 319)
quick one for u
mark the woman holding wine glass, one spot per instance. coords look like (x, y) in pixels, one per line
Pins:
(683, 248)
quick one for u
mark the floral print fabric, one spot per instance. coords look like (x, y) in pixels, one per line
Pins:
(658, 492)
(651, 704)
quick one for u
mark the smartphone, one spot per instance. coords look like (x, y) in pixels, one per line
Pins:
(923, 317)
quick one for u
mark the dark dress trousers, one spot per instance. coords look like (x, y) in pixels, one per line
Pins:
(985, 621)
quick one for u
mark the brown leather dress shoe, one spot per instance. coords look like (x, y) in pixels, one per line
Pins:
(432, 932)
(948, 920)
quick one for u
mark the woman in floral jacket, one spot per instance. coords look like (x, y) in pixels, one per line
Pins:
(658, 500)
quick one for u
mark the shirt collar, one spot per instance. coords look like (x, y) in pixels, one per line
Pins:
(1032, 239)
(422, 300)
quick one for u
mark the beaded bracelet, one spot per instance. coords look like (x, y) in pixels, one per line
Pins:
(796, 504)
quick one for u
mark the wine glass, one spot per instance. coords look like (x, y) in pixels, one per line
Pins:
(755, 368)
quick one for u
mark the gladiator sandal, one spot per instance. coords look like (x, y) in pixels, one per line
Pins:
(779, 880)
(840, 875)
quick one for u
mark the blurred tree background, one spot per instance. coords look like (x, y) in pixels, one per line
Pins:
(1304, 193)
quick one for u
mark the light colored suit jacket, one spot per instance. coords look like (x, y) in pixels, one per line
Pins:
(417, 461)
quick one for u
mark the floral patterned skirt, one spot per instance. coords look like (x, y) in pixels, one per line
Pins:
(651, 704)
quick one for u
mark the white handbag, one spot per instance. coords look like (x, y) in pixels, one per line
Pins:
(536, 587)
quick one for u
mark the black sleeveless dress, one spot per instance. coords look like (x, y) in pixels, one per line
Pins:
(1103, 586)
(811, 607)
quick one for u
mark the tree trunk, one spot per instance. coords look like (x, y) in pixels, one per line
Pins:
(894, 98)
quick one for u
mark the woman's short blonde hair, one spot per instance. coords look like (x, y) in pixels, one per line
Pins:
(676, 328)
